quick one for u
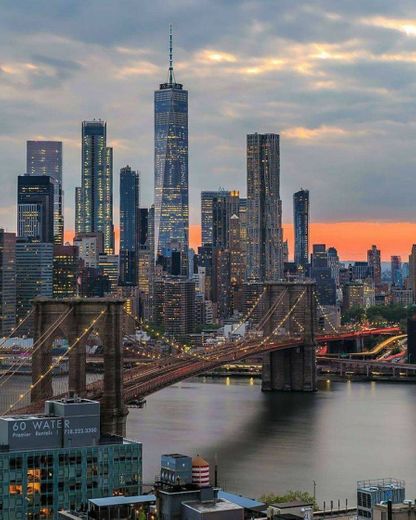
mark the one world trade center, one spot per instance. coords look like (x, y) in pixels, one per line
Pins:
(171, 224)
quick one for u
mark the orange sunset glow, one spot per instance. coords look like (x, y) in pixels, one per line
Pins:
(352, 239)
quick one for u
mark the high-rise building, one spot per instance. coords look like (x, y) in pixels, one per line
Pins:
(34, 273)
(97, 183)
(129, 225)
(90, 246)
(396, 271)
(264, 219)
(35, 207)
(374, 260)
(7, 282)
(412, 271)
(301, 225)
(207, 199)
(334, 264)
(78, 210)
(59, 459)
(178, 306)
(108, 266)
(321, 272)
(171, 165)
(45, 158)
(66, 268)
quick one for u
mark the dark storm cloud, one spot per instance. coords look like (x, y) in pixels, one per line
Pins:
(337, 78)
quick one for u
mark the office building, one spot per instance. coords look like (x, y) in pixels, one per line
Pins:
(301, 225)
(66, 268)
(334, 264)
(7, 282)
(35, 207)
(129, 226)
(60, 460)
(207, 212)
(90, 247)
(402, 296)
(171, 219)
(374, 261)
(97, 183)
(264, 208)
(372, 492)
(358, 294)
(321, 272)
(412, 271)
(108, 265)
(34, 273)
(178, 306)
(361, 271)
(411, 339)
(78, 210)
(45, 158)
(396, 271)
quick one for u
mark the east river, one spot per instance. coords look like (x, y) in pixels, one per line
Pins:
(273, 442)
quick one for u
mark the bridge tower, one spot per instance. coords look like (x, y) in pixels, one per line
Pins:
(71, 318)
(292, 369)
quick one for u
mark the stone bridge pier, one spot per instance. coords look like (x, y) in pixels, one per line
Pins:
(69, 318)
(292, 369)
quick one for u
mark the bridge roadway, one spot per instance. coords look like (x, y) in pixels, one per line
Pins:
(142, 381)
(366, 368)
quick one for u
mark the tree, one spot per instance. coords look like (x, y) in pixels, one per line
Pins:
(353, 315)
(289, 496)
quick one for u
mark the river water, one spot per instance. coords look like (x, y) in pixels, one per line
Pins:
(273, 442)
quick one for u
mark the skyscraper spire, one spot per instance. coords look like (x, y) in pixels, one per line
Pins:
(171, 74)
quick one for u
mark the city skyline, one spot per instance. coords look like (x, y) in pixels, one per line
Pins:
(373, 42)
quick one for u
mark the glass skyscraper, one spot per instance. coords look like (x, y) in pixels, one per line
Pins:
(129, 225)
(301, 223)
(264, 209)
(97, 183)
(35, 207)
(45, 158)
(171, 165)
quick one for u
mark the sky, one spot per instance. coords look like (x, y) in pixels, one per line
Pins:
(335, 78)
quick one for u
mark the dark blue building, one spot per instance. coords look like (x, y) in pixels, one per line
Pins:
(301, 223)
(171, 165)
(129, 225)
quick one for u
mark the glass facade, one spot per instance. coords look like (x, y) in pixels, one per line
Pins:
(301, 223)
(35, 207)
(36, 484)
(34, 269)
(7, 282)
(97, 183)
(45, 158)
(129, 225)
(65, 271)
(171, 167)
(264, 208)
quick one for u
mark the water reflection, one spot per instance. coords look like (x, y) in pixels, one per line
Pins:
(275, 441)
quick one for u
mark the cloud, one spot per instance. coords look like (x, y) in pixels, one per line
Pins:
(336, 79)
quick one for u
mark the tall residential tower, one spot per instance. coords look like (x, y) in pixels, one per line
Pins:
(97, 183)
(264, 207)
(171, 165)
(129, 226)
(45, 158)
(301, 224)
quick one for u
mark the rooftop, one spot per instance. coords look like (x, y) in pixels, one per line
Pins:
(117, 501)
(247, 503)
(209, 507)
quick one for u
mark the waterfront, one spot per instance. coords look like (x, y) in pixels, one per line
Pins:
(274, 442)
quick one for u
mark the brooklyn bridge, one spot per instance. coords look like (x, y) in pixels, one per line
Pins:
(283, 332)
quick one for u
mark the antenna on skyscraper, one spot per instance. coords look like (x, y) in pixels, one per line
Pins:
(171, 74)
